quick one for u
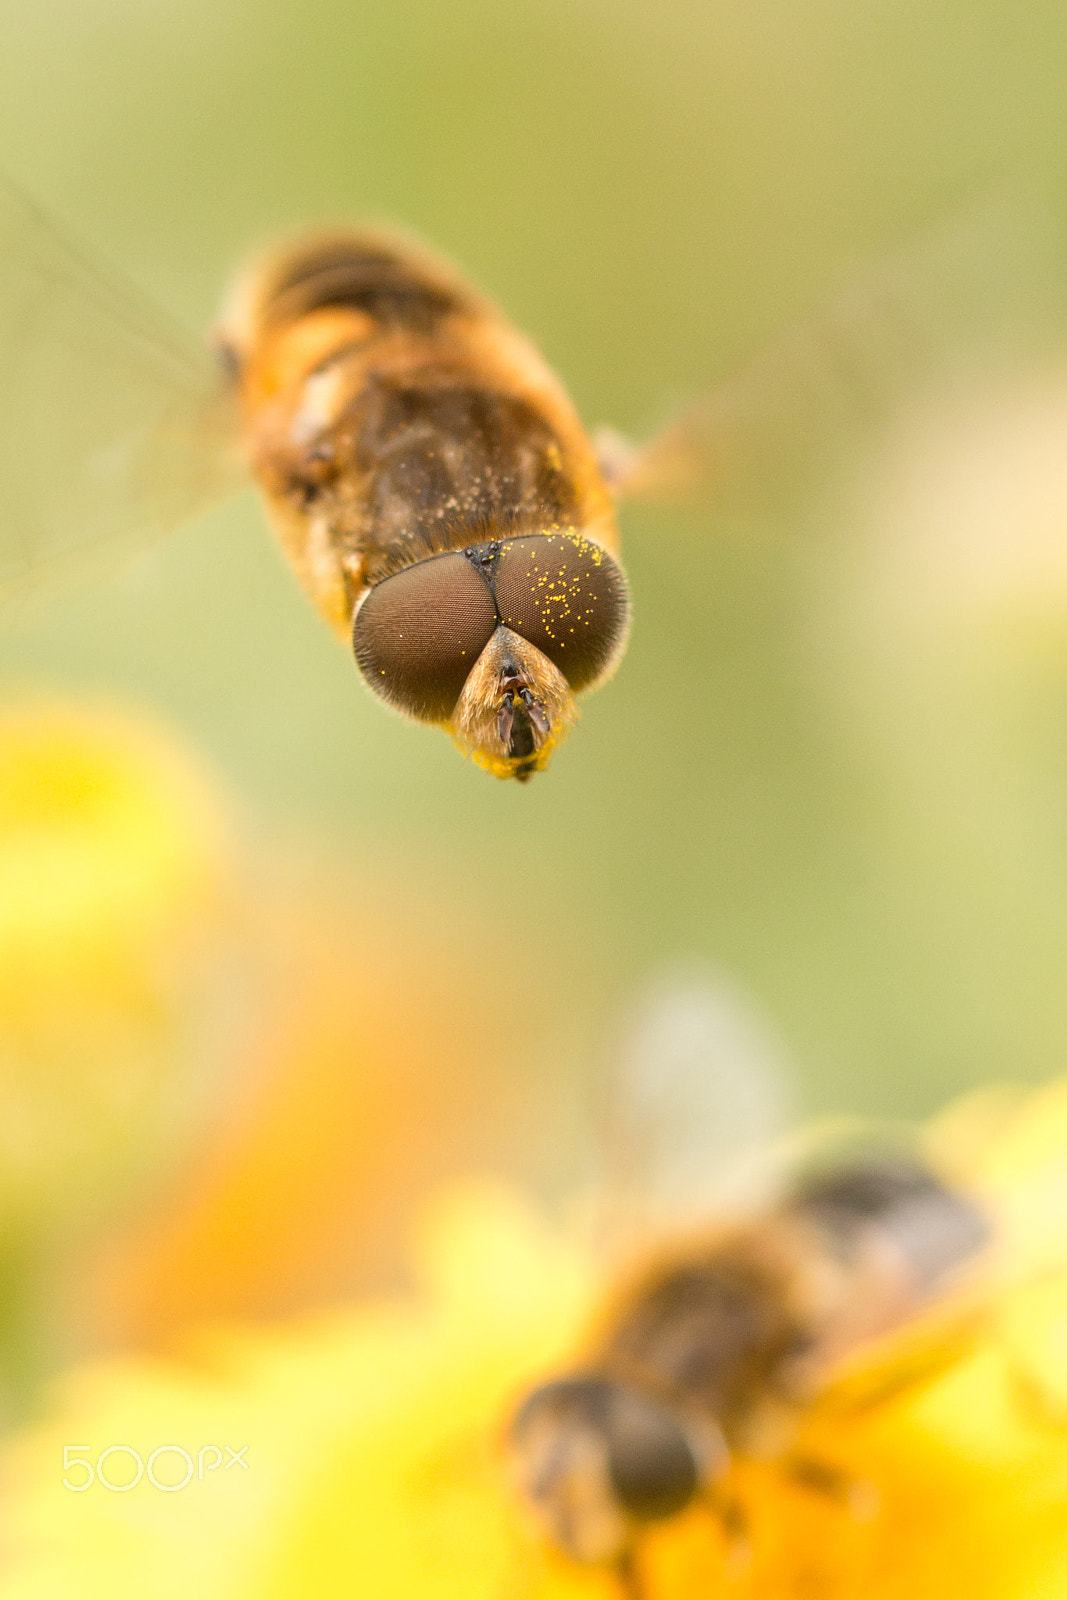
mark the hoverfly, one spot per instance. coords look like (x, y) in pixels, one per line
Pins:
(434, 490)
(714, 1350)
(723, 1338)
(427, 475)
(428, 478)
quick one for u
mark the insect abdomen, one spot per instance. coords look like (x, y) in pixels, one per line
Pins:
(391, 282)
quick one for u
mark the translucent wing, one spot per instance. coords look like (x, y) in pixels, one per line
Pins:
(693, 1111)
(1009, 1152)
(113, 426)
(965, 299)
(911, 1356)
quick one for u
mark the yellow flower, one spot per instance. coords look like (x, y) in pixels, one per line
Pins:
(374, 1466)
(372, 1461)
(112, 882)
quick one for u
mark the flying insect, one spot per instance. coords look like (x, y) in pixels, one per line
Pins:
(433, 488)
(428, 478)
(427, 475)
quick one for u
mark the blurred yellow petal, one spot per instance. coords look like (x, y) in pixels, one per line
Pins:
(1008, 1144)
(111, 842)
(372, 1443)
(117, 983)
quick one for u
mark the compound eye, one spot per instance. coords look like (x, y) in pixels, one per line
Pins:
(568, 597)
(652, 1469)
(418, 634)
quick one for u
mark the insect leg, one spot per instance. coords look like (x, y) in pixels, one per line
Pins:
(630, 1583)
(733, 1519)
(823, 1477)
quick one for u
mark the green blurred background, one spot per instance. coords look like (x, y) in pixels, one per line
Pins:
(857, 815)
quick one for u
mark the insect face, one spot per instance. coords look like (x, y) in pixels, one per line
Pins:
(595, 1458)
(494, 640)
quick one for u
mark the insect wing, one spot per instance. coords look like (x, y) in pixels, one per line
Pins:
(958, 302)
(989, 1294)
(905, 1360)
(692, 1113)
(113, 426)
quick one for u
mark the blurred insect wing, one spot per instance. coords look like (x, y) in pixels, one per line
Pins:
(961, 298)
(907, 1357)
(693, 1108)
(113, 426)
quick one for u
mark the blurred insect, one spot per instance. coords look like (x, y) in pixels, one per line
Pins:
(428, 477)
(719, 1343)
(713, 1351)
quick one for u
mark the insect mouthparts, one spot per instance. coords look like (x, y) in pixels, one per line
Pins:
(522, 722)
